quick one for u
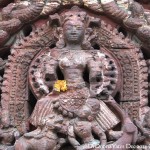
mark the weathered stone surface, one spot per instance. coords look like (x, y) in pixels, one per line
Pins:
(68, 78)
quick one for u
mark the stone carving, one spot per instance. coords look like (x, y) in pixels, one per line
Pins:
(71, 100)
(15, 16)
(72, 60)
(137, 17)
(8, 136)
(44, 137)
(44, 8)
(136, 22)
(60, 84)
(84, 124)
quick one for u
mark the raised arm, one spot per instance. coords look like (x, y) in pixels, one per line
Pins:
(95, 75)
(50, 73)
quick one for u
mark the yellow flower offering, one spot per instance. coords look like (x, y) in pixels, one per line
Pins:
(60, 85)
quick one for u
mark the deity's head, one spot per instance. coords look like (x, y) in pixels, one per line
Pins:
(74, 31)
(89, 110)
(75, 28)
(74, 25)
(84, 112)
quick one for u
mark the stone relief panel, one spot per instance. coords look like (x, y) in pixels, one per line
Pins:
(69, 80)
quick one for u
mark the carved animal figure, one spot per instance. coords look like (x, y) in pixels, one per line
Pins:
(42, 139)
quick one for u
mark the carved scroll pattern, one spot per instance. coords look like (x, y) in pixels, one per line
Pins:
(132, 63)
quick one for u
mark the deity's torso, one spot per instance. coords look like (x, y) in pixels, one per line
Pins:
(72, 64)
(84, 130)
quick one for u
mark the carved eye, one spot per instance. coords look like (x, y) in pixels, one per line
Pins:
(79, 27)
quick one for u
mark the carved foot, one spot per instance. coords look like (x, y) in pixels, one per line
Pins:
(115, 135)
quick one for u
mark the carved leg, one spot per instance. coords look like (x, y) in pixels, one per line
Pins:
(21, 145)
(36, 144)
(115, 135)
(33, 133)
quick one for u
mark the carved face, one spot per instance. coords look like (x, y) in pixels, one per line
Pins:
(73, 31)
(84, 112)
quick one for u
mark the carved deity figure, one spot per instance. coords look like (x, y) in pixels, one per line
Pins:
(74, 93)
(83, 126)
(73, 55)
(66, 76)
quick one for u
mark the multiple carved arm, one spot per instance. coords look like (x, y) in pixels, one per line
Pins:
(50, 71)
(95, 76)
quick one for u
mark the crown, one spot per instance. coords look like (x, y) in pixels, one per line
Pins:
(75, 13)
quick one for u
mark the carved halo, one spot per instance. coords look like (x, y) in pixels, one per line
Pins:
(110, 40)
(38, 82)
